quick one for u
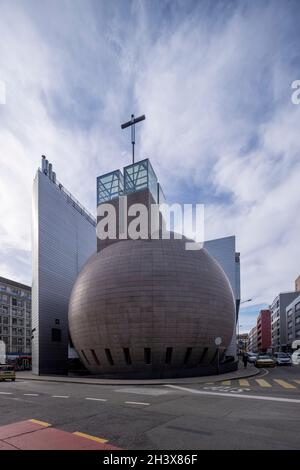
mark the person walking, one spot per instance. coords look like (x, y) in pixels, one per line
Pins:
(245, 360)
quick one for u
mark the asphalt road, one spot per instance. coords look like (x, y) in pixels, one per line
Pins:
(262, 412)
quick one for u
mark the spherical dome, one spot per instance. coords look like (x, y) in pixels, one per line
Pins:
(150, 308)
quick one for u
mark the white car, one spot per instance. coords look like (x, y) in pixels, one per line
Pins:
(296, 357)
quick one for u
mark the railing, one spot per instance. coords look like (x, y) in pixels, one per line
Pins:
(75, 203)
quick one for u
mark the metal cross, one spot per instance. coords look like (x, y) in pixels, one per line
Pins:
(132, 123)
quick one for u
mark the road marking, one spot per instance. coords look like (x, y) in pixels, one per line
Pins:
(6, 393)
(60, 396)
(283, 383)
(136, 403)
(91, 438)
(226, 382)
(235, 395)
(143, 391)
(266, 372)
(244, 383)
(263, 383)
(31, 394)
(96, 399)
(297, 381)
(42, 423)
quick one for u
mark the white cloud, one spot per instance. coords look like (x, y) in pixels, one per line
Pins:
(214, 83)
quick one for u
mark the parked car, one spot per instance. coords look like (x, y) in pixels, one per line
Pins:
(7, 372)
(282, 359)
(252, 357)
(265, 360)
(296, 358)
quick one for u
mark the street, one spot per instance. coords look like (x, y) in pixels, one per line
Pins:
(262, 412)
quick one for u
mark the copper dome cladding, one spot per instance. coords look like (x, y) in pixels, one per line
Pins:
(149, 308)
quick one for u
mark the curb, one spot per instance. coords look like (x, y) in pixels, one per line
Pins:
(187, 381)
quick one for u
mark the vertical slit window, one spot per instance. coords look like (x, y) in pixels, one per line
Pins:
(187, 355)
(203, 355)
(95, 357)
(109, 356)
(169, 355)
(84, 355)
(147, 355)
(127, 356)
(214, 357)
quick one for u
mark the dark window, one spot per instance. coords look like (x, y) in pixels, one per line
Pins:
(57, 321)
(187, 355)
(56, 334)
(84, 355)
(204, 352)
(109, 356)
(147, 355)
(95, 357)
(14, 302)
(169, 355)
(127, 356)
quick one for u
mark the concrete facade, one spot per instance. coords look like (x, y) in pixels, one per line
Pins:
(252, 343)
(293, 321)
(279, 320)
(63, 238)
(15, 318)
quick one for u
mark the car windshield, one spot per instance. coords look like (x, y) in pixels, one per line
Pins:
(282, 355)
(265, 356)
(6, 368)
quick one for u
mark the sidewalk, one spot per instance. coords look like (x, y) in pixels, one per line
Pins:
(241, 373)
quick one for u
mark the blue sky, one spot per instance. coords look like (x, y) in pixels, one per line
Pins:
(214, 80)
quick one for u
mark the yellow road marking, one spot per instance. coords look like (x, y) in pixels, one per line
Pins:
(42, 423)
(209, 383)
(244, 383)
(263, 383)
(297, 381)
(226, 382)
(91, 438)
(284, 384)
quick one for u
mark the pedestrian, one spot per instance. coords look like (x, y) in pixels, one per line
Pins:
(245, 360)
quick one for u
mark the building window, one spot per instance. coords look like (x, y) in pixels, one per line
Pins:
(109, 356)
(127, 356)
(84, 355)
(147, 355)
(5, 320)
(187, 355)
(14, 301)
(95, 357)
(56, 335)
(290, 324)
(169, 355)
(297, 320)
(289, 312)
(56, 321)
(204, 352)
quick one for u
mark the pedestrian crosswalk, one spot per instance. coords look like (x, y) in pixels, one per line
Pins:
(263, 383)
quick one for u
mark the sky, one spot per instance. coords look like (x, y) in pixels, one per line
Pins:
(214, 81)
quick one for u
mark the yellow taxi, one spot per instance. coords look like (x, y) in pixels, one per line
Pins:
(7, 372)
